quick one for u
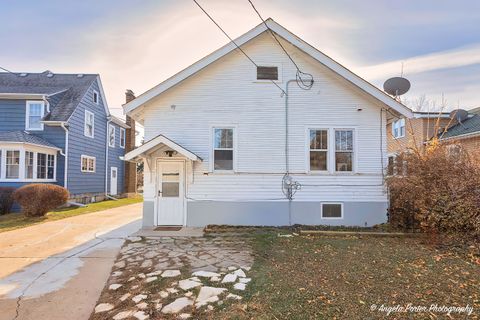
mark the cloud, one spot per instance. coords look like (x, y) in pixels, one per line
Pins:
(455, 58)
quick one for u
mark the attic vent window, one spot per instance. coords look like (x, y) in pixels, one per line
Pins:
(267, 73)
(95, 97)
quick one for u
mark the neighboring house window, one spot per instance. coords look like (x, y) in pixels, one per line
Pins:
(95, 97)
(318, 150)
(332, 210)
(34, 114)
(111, 135)
(29, 161)
(122, 137)
(391, 166)
(267, 73)
(344, 150)
(398, 128)
(223, 149)
(88, 164)
(12, 164)
(89, 124)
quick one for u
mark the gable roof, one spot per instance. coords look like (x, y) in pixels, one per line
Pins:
(295, 41)
(24, 137)
(63, 91)
(468, 127)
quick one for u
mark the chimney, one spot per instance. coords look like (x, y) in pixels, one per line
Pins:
(130, 167)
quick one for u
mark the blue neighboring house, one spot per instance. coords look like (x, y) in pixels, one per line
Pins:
(57, 128)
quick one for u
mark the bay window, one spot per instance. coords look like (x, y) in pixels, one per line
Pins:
(27, 164)
(12, 164)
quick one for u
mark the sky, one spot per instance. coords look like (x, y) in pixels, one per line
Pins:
(136, 44)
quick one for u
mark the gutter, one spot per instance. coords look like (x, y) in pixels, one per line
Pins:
(65, 154)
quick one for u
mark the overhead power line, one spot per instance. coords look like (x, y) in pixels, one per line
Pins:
(300, 76)
(233, 41)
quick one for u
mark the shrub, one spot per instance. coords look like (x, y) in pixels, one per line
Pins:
(38, 199)
(6, 199)
(437, 190)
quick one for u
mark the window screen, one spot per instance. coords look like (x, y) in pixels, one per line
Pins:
(331, 210)
(267, 73)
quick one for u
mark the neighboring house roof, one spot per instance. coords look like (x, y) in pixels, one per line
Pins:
(295, 41)
(24, 137)
(154, 143)
(468, 127)
(63, 91)
(119, 122)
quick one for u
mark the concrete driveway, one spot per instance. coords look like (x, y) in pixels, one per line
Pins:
(57, 270)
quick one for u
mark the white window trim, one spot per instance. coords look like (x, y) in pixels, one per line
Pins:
(328, 150)
(95, 92)
(110, 126)
(124, 134)
(22, 148)
(331, 168)
(394, 123)
(27, 114)
(212, 148)
(85, 130)
(331, 218)
(88, 158)
(269, 64)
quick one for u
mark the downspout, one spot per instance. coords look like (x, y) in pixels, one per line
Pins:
(106, 157)
(65, 154)
(287, 181)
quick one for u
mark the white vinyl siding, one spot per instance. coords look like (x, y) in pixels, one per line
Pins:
(88, 164)
(258, 112)
(89, 129)
(35, 111)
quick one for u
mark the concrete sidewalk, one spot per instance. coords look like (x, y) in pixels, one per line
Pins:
(56, 270)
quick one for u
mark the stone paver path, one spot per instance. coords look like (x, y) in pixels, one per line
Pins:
(161, 278)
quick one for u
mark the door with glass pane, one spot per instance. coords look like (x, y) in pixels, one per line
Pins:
(170, 193)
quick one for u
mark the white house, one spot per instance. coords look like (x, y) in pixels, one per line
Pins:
(226, 146)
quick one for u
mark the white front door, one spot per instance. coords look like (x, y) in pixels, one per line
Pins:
(170, 193)
(113, 181)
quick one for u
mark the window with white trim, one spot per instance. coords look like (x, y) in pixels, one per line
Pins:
(318, 150)
(12, 164)
(122, 137)
(111, 135)
(398, 128)
(34, 114)
(95, 97)
(343, 150)
(88, 163)
(332, 211)
(29, 161)
(89, 124)
(223, 149)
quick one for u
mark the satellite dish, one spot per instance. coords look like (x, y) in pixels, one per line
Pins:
(396, 86)
(460, 115)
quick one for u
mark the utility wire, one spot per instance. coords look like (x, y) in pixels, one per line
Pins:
(304, 84)
(233, 41)
(7, 70)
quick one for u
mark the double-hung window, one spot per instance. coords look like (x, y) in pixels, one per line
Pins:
(398, 128)
(319, 150)
(122, 138)
(344, 150)
(34, 114)
(29, 162)
(12, 164)
(223, 149)
(89, 124)
(111, 135)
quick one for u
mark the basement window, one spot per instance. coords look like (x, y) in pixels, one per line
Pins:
(332, 211)
(267, 73)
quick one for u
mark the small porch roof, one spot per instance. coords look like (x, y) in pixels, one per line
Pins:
(156, 143)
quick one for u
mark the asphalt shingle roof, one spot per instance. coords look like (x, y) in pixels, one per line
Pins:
(24, 137)
(470, 125)
(64, 91)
